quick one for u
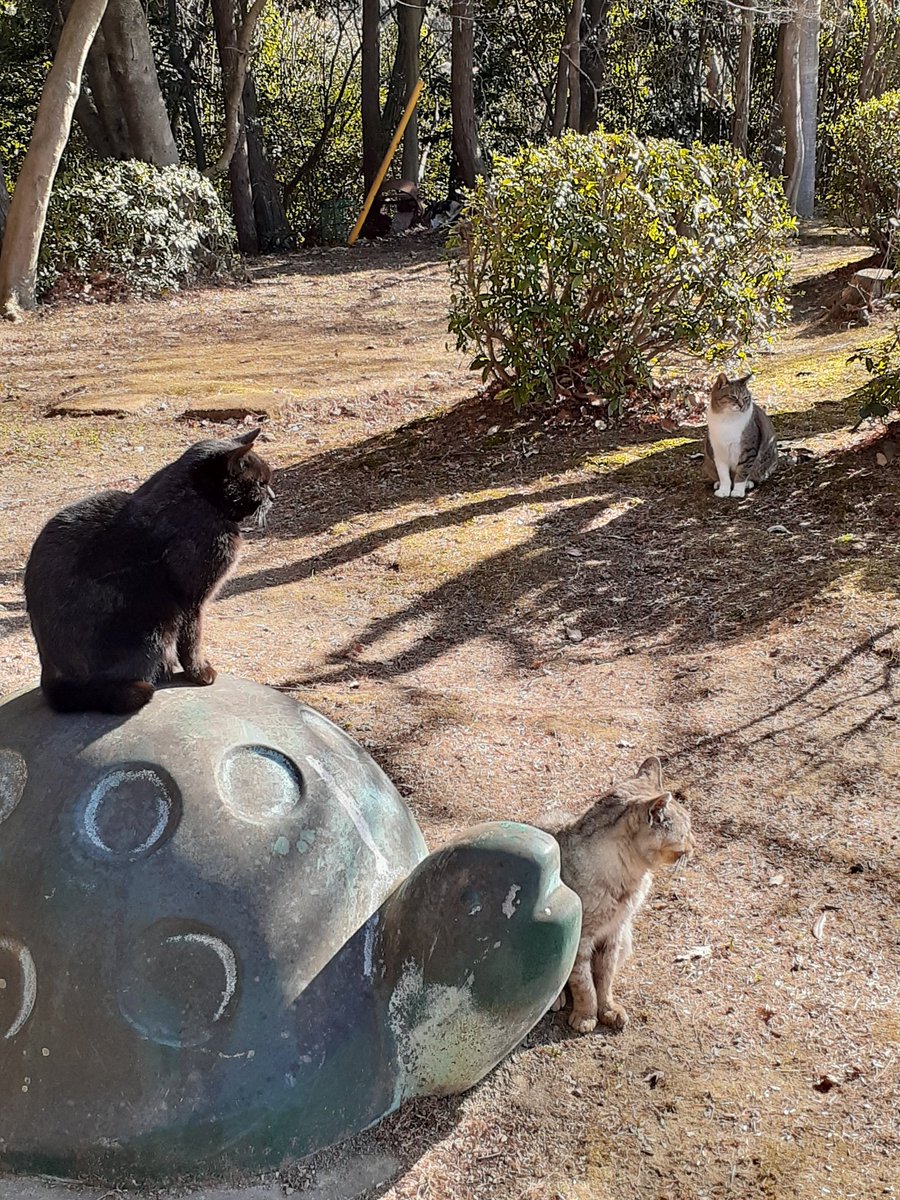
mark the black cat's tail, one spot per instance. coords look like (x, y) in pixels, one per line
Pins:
(98, 695)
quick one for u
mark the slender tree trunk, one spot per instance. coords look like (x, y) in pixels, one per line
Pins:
(573, 120)
(571, 39)
(273, 230)
(741, 128)
(237, 165)
(874, 42)
(180, 63)
(773, 150)
(4, 201)
(131, 65)
(594, 40)
(810, 20)
(409, 20)
(28, 209)
(791, 111)
(241, 188)
(372, 130)
(234, 53)
(466, 144)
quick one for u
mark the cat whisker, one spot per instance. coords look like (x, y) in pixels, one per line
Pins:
(262, 513)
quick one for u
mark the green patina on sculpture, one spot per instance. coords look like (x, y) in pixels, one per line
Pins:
(223, 943)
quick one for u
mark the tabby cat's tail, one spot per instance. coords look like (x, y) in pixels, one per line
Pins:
(99, 695)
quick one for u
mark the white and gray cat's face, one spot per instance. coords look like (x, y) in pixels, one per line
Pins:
(730, 396)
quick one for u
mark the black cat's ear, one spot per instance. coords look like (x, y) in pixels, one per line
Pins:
(243, 446)
(651, 769)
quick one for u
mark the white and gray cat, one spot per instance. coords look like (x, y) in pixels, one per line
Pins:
(741, 450)
(608, 856)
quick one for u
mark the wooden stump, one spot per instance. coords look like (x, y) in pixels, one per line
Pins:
(873, 281)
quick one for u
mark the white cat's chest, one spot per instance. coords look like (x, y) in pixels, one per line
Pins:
(726, 432)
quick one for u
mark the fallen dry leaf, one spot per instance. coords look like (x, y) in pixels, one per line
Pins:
(826, 1082)
(694, 954)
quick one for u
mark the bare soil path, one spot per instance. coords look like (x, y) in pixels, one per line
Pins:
(509, 613)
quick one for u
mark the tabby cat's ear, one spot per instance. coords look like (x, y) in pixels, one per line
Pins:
(651, 768)
(656, 813)
(721, 381)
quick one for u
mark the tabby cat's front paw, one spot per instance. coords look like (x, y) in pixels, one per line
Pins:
(559, 1003)
(615, 1017)
(582, 1022)
(202, 675)
(722, 492)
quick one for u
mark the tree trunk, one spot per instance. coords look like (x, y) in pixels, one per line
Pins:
(130, 57)
(241, 188)
(181, 65)
(234, 53)
(466, 145)
(372, 129)
(571, 41)
(409, 21)
(773, 150)
(93, 128)
(4, 201)
(273, 230)
(594, 40)
(810, 19)
(108, 136)
(741, 128)
(791, 111)
(398, 91)
(28, 209)
(868, 86)
(573, 120)
(238, 165)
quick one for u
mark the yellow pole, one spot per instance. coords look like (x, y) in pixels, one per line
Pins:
(383, 169)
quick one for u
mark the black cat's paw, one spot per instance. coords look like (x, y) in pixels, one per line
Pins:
(202, 675)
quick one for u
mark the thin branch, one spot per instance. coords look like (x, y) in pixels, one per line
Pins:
(234, 90)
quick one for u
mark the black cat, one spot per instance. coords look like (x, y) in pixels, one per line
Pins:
(115, 584)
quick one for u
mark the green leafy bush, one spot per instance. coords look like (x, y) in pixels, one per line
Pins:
(881, 395)
(128, 226)
(582, 261)
(865, 185)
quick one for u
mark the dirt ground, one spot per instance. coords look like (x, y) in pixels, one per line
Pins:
(510, 612)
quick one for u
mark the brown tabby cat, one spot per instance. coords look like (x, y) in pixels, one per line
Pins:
(608, 857)
(740, 450)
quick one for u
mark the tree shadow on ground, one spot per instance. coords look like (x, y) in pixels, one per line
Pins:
(407, 254)
(820, 231)
(12, 612)
(623, 542)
